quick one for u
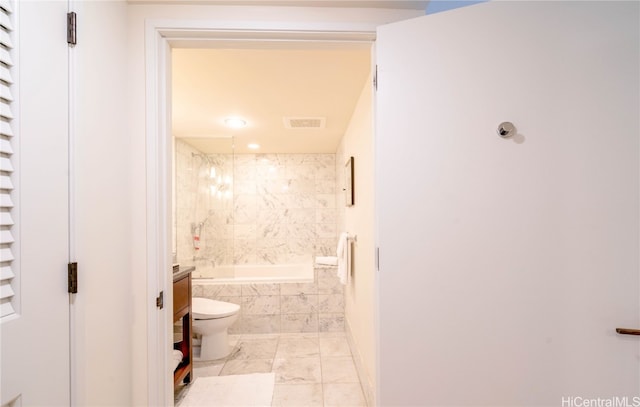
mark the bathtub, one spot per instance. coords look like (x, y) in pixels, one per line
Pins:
(255, 274)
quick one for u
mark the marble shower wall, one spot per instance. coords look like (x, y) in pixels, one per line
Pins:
(284, 207)
(192, 200)
(277, 209)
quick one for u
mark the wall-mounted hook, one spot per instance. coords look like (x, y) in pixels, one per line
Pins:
(506, 129)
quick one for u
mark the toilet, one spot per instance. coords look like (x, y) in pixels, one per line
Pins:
(211, 319)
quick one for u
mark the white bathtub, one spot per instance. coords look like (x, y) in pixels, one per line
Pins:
(255, 273)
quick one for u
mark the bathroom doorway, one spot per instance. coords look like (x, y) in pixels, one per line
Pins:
(243, 121)
(257, 195)
(465, 60)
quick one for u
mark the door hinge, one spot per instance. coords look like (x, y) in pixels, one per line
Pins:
(160, 300)
(377, 258)
(71, 28)
(73, 277)
(375, 79)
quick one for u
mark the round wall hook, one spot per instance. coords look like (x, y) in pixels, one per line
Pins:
(506, 129)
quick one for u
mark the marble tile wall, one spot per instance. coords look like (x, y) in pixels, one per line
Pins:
(284, 207)
(284, 307)
(274, 209)
(185, 199)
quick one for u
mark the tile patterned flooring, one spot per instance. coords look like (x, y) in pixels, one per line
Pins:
(312, 370)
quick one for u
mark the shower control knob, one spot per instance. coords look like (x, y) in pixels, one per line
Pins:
(506, 129)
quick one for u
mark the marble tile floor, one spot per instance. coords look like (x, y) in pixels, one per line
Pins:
(311, 369)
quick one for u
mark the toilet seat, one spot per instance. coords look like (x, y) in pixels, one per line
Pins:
(205, 308)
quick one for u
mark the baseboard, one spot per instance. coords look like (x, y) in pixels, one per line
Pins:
(368, 387)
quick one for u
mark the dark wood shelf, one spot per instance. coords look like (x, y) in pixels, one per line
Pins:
(182, 312)
(182, 373)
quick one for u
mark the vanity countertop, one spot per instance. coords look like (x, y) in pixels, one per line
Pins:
(182, 272)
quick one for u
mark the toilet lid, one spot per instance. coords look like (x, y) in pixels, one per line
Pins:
(204, 308)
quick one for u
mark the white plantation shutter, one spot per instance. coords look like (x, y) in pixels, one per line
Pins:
(7, 160)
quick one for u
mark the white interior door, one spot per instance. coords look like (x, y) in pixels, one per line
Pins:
(506, 264)
(35, 339)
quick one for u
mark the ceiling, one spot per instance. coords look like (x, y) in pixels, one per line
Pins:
(391, 4)
(263, 86)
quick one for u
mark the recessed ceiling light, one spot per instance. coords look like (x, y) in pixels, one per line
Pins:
(235, 122)
(253, 146)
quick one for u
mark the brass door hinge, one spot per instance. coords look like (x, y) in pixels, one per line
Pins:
(160, 300)
(71, 28)
(72, 269)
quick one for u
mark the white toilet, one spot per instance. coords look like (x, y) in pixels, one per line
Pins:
(211, 319)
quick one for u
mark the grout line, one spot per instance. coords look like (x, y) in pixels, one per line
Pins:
(273, 361)
(321, 370)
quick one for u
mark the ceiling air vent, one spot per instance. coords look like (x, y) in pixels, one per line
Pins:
(304, 122)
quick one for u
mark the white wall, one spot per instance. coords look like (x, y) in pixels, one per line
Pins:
(138, 15)
(359, 220)
(103, 305)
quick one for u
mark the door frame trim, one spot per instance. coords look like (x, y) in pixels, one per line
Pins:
(160, 37)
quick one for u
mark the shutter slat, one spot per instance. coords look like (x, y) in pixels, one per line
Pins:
(6, 6)
(5, 147)
(5, 39)
(6, 255)
(5, 110)
(6, 237)
(5, 57)
(5, 164)
(5, 21)
(5, 129)
(6, 273)
(5, 182)
(5, 200)
(5, 92)
(6, 291)
(6, 219)
(6, 308)
(5, 74)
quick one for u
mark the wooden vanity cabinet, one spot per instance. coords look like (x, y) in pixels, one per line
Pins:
(182, 312)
